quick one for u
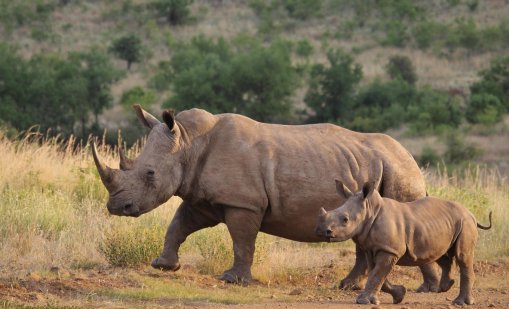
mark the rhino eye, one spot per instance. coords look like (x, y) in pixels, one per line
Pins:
(345, 220)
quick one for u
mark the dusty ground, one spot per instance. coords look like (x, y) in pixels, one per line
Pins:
(147, 288)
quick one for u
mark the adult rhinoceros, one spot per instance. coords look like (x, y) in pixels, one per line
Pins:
(253, 177)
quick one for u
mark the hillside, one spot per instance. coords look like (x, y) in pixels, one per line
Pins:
(447, 41)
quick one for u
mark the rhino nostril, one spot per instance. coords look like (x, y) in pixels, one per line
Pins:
(328, 233)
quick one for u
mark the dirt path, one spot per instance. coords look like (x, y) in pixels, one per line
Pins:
(147, 288)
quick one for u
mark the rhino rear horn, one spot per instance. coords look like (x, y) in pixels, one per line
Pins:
(106, 173)
(125, 162)
(323, 212)
(146, 118)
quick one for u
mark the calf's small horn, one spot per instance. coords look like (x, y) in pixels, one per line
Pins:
(125, 162)
(323, 212)
(105, 172)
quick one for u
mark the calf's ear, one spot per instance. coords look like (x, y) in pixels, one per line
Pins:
(368, 189)
(343, 190)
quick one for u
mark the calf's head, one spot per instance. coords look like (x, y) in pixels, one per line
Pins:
(345, 221)
(148, 181)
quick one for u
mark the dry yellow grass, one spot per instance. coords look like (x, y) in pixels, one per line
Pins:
(53, 214)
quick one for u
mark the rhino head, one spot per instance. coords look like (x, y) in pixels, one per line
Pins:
(148, 181)
(345, 222)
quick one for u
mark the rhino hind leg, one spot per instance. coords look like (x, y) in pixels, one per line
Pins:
(356, 279)
(187, 220)
(380, 267)
(243, 226)
(465, 258)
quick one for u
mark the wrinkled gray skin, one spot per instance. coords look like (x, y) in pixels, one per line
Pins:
(408, 234)
(253, 177)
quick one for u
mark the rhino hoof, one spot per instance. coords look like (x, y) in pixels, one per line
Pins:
(349, 284)
(428, 288)
(398, 294)
(463, 301)
(160, 263)
(446, 286)
(230, 277)
(364, 300)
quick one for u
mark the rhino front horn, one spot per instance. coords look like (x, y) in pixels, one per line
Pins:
(105, 172)
(323, 212)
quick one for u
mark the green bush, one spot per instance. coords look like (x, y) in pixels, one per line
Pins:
(302, 9)
(176, 12)
(332, 89)
(382, 105)
(242, 76)
(457, 150)
(304, 48)
(428, 32)
(484, 108)
(395, 33)
(138, 95)
(429, 157)
(433, 112)
(495, 81)
(401, 67)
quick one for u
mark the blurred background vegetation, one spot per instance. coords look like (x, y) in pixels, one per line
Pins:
(434, 74)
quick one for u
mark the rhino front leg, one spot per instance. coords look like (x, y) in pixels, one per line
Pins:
(383, 264)
(243, 226)
(187, 220)
(357, 276)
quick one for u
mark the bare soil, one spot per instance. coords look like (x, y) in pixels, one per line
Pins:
(315, 288)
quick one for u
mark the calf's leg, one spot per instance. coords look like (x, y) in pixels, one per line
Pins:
(188, 219)
(243, 226)
(465, 258)
(381, 266)
(397, 291)
(430, 276)
(446, 282)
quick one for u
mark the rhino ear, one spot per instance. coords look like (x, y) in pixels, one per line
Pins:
(368, 189)
(146, 118)
(169, 118)
(343, 190)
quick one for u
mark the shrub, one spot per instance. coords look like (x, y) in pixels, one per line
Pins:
(382, 105)
(176, 12)
(243, 77)
(433, 112)
(127, 48)
(401, 67)
(395, 33)
(304, 48)
(302, 9)
(331, 89)
(427, 32)
(457, 150)
(428, 157)
(484, 108)
(495, 81)
(138, 95)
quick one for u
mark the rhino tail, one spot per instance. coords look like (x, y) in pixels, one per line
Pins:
(485, 227)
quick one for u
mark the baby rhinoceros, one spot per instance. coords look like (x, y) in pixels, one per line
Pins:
(408, 234)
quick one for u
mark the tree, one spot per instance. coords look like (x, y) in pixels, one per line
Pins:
(401, 67)
(243, 77)
(128, 48)
(495, 81)
(176, 12)
(331, 89)
(99, 74)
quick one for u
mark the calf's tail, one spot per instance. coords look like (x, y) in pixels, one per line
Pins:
(485, 227)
